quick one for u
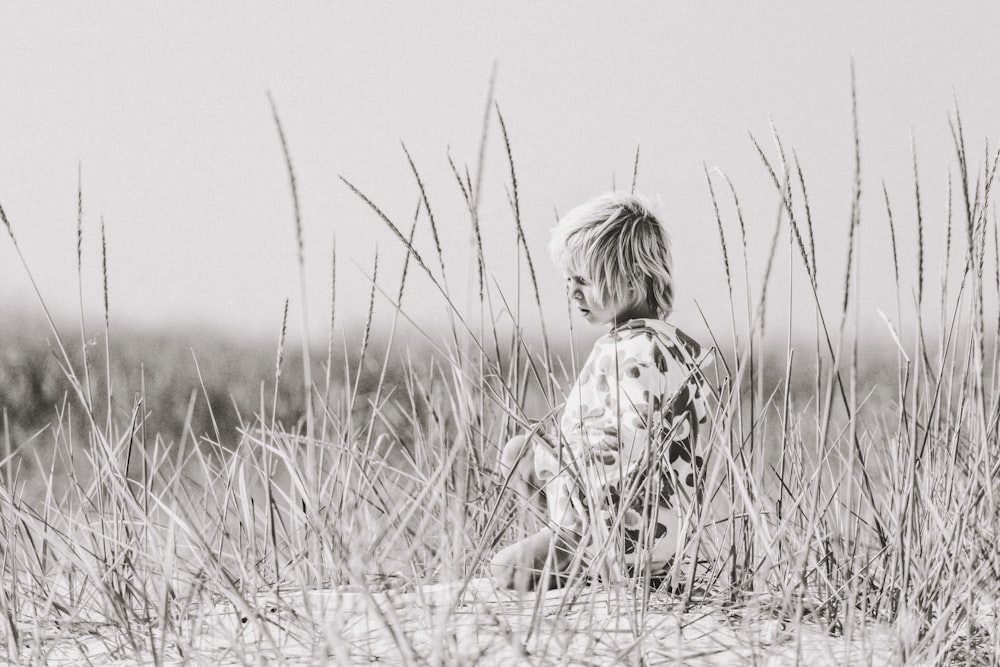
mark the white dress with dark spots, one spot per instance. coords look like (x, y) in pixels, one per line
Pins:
(627, 470)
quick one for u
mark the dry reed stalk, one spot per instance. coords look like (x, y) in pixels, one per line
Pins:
(920, 224)
(958, 139)
(477, 233)
(722, 235)
(277, 365)
(808, 210)
(475, 192)
(820, 324)
(892, 240)
(107, 325)
(410, 249)
(835, 376)
(300, 255)
(808, 257)
(725, 254)
(749, 356)
(392, 227)
(786, 405)
(471, 193)
(785, 189)
(79, 273)
(392, 328)
(466, 188)
(855, 454)
(546, 351)
(973, 265)
(437, 242)
(943, 297)
(855, 218)
(430, 214)
(996, 275)
(267, 464)
(759, 314)
(476, 189)
(635, 169)
(767, 163)
(7, 226)
(329, 342)
(366, 336)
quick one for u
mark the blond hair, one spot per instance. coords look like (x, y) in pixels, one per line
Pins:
(618, 244)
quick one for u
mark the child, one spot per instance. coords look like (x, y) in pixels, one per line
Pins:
(620, 478)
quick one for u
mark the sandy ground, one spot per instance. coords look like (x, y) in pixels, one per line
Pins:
(446, 624)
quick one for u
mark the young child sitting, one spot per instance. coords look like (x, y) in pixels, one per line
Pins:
(619, 480)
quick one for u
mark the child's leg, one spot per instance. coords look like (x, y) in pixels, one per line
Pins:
(520, 566)
(517, 468)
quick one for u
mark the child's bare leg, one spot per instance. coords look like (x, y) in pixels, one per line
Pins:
(517, 467)
(520, 566)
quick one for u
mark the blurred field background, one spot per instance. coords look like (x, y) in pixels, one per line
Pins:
(198, 385)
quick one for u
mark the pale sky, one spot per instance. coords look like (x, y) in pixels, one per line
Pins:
(165, 108)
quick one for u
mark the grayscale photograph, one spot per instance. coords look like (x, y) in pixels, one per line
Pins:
(521, 333)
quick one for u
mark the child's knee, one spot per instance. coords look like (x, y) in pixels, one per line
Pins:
(509, 568)
(518, 566)
(503, 571)
(513, 453)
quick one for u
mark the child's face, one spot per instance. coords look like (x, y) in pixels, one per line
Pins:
(584, 296)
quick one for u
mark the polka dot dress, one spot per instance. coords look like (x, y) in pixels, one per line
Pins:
(626, 471)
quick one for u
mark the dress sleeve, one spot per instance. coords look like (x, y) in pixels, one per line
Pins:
(616, 402)
(637, 384)
(635, 398)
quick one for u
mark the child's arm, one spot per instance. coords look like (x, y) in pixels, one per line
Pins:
(638, 384)
(653, 406)
(635, 401)
(605, 427)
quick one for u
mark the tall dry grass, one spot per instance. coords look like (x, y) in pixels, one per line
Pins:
(874, 521)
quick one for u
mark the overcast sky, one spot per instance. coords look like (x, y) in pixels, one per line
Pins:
(164, 109)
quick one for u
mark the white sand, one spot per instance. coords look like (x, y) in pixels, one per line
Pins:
(443, 624)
